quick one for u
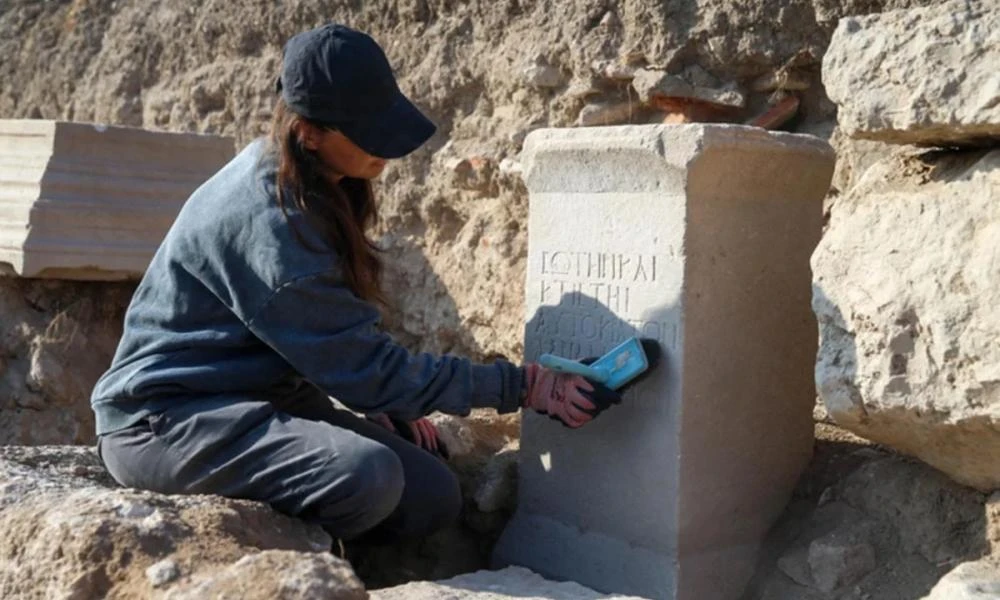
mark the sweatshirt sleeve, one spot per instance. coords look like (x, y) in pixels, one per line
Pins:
(330, 337)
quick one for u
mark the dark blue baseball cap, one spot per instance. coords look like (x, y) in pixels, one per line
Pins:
(340, 78)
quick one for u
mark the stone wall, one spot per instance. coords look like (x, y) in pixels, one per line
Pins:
(487, 72)
(905, 276)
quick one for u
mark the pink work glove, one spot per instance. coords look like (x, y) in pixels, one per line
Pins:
(421, 432)
(572, 399)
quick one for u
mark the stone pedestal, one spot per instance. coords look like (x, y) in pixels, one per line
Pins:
(700, 236)
(81, 201)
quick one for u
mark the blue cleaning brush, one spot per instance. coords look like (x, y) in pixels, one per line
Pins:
(621, 365)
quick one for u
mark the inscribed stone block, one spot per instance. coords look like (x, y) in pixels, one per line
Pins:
(699, 236)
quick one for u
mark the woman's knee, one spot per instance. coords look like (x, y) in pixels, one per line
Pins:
(380, 479)
(372, 489)
(130, 459)
(435, 505)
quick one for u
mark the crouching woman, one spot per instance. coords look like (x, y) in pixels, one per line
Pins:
(262, 302)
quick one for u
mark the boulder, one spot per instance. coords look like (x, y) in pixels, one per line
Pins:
(923, 76)
(67, 531)
(973, 580)
(512, 583)
(905, 294)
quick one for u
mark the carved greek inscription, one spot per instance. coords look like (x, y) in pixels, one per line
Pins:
(569, 333)
(600, 266)
(585, 294)
(586, 299)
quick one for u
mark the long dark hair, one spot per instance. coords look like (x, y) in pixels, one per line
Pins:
(341, 212)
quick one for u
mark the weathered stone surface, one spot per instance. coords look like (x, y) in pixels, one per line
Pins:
(670, 226)
(66, 531)
(277, 575)
(973, 580)
(512, 583)
(920, 76)
(82, 201)
(908, 311)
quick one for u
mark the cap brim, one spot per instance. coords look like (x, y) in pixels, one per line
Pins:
(393, 133)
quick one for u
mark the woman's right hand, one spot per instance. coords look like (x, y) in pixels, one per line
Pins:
(571, 399)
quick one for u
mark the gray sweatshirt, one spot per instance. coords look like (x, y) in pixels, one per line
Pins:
(234, 305)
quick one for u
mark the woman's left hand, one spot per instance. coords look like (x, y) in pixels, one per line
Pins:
(424, 434)
(421, 432)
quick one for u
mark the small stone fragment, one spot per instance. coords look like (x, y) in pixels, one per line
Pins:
(836, 562)
(163, 572)
(609, 20)
(509, 166)
(613, 70)
(543, 76)
(795, 565)
(606, 113)
(993, 522)
(583, 88)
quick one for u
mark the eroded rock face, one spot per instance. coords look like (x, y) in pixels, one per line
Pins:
(66, 531)
(905, 294)
(56, 339)
(276, 575)
(923, 76)
(486, 72)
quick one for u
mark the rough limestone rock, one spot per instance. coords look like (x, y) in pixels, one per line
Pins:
(512, 583)
(904, 292)
(974, 580)
(923, 76)
(289, 576)
(66, 531)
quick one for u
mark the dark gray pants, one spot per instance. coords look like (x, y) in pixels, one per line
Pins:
(302, 455)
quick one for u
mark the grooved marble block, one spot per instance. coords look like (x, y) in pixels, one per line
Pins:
(82, 201)
(700, 236)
